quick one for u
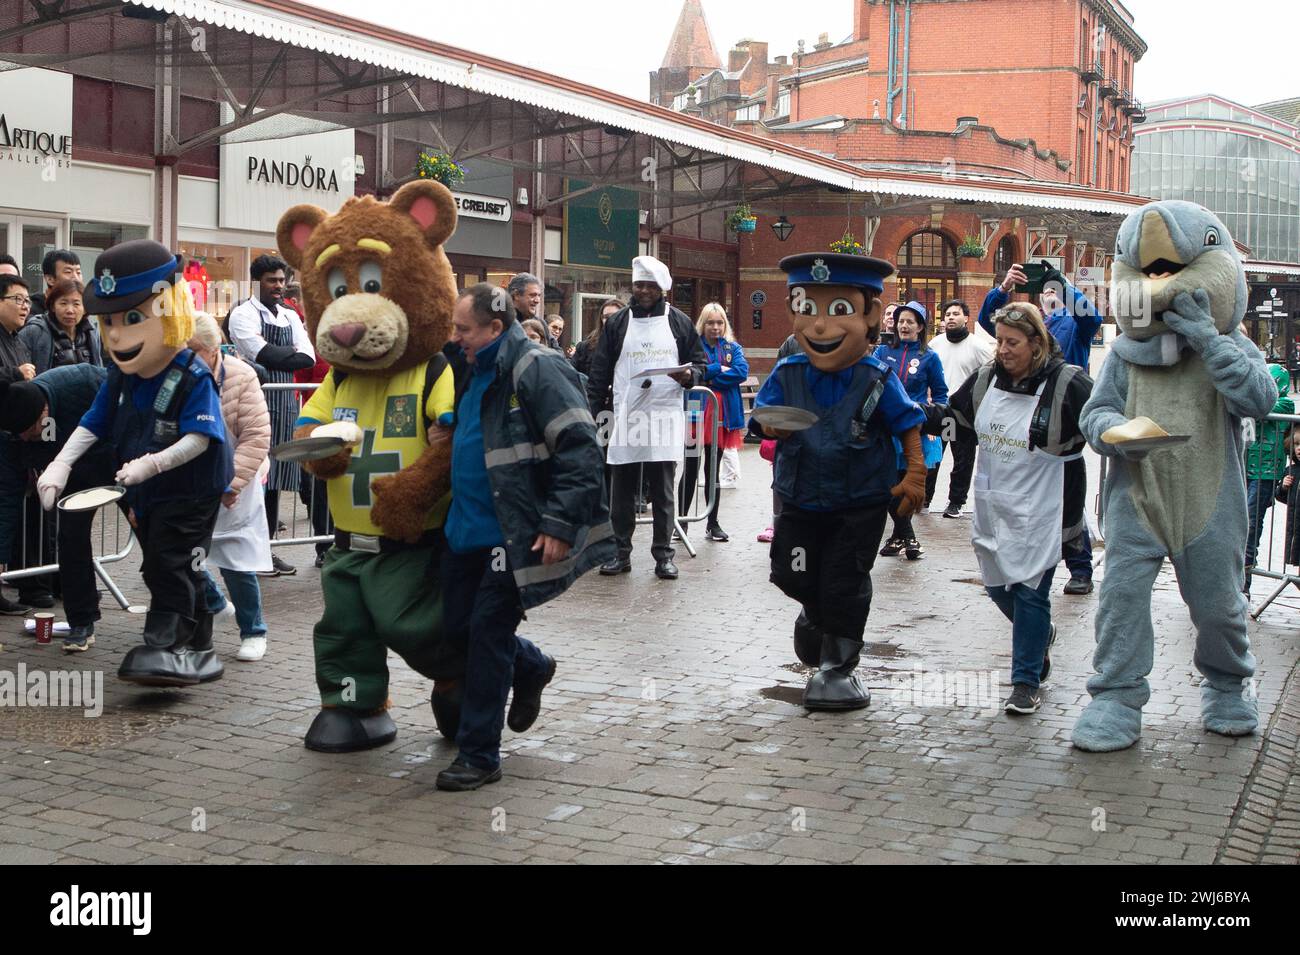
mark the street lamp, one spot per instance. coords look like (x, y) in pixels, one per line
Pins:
(782, 227)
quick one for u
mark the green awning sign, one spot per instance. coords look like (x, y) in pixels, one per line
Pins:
(601, 227)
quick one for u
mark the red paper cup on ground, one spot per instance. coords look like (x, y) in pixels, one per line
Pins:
(44, 627)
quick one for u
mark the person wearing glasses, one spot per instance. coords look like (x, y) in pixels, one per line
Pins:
(15, 306)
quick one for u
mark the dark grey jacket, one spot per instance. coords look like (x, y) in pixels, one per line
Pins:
(609, 346)
(51, 347)
(544, 466)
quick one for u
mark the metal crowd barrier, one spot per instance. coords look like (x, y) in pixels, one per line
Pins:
(1274, 566)
(299, 511)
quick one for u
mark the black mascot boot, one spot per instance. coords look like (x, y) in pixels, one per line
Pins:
(336, 730)
(203, 659)
(446, 700)
(164, 658)
(835, 686)
(807, 641)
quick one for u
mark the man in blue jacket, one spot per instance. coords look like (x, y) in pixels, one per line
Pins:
(527, 519)
(1073, 320)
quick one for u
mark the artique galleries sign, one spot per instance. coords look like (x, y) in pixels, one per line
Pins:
(35, 138)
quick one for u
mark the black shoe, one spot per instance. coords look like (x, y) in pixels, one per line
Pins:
(666, 570)
(11, 608)
(79, 639)
(527, 700)
(281, 527)
(893, 547)
(320, 561)
(952, 510)
(461, 777)
(1023, 699)
(282, 566)
(912, 548)
(1047, 655)
(642, 507)
(1078, 585)
(41, 599)
(446, 701)
(716, 533)
(835, 686)
(336, 730)
(619, 565)
(676, 538)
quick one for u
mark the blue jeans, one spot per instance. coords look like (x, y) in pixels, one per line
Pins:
(1030, 611)
(245, 594)
(1079, 557)
(480, 611)
(1259, 498)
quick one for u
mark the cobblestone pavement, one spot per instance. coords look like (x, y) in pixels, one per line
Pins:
(671, 734)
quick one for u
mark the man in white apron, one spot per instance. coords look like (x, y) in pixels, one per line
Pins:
(648, 432)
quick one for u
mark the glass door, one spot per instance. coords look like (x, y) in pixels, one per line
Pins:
(28, 239)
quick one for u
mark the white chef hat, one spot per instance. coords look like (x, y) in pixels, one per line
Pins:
(646, 268)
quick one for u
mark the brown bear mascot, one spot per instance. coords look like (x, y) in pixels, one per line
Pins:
(379, 294)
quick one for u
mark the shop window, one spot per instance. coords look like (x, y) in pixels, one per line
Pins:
(1004, 257)
(927, 270)
(89, 239)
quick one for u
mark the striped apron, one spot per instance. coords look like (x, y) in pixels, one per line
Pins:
(283, 406)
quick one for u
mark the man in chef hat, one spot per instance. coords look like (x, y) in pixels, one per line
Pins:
(647, 434)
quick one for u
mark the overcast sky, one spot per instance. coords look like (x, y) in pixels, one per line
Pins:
(1243, 50)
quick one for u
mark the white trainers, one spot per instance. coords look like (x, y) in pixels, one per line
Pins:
(223, 616)
(251, 649)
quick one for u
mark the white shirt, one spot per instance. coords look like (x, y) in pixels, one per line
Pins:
(245, 328)
(649, 422)
(961, 359)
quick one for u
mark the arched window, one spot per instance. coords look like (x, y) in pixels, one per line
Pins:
(927, 271)
(1004, 257)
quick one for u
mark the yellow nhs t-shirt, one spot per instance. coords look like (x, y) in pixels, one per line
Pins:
(387, 411)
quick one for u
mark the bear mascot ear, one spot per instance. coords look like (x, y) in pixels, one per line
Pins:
(431, 206)
(294, 232)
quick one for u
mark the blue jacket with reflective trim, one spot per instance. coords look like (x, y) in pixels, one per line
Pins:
(545, 467)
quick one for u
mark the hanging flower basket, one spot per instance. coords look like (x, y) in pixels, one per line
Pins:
(439, 167)
(971, 248)
(847, 245)
(741, 219)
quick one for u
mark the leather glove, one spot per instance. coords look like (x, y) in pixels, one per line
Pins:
(912, 488)
(1191, 318)
(138, 471)
(347, 430)
(52, 482)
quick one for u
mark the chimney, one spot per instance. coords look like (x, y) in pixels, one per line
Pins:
(758, 50)
(861, 20)
(823, 42)
(782, 61)
(737, 57)
(773, 90)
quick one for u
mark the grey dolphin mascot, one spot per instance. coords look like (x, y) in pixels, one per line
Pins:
(1179, 294)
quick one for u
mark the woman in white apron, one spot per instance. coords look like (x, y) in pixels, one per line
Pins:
(241, 542)
(1024, 410)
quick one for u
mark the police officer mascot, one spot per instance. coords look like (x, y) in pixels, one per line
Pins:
(160, 410)
(834, 410)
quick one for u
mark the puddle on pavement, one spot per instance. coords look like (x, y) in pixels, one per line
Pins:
(783, 694)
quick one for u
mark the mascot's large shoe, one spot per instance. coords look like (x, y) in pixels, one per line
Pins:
(202, 657)
(1182, 363)
(446, 700)
(807, 641)
(336, 730)
(164, 659)
(836, 686)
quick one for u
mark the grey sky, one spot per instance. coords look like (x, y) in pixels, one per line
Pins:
(1243, 49)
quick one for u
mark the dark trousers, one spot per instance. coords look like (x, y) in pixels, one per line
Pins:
(622, 505)
(823, 559)
(963, 466)
(314, 496)
(712, 458)
(903, 525)
(175, 537)
(1077, 554)
(76, 553)
(480, 611)
(272, 511)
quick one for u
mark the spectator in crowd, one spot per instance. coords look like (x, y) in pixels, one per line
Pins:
(266, 331)
(1072, 319)
(1016, 408)
(37, 418)
(961, 352)
(921, 373)
(59, 265)
(725, 371)
(527, 294)
(1287, 492)
(555, 325)
(9, 265)
(241, 542)
(534, 330)
(63, 334)
(1266, 464)
(312, 491)
(582, 353)
(887, 333)
(544, 513)
(649, 423)
(15, 306)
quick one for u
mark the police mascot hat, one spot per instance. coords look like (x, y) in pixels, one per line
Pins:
(131, 273)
